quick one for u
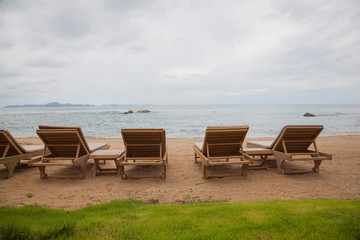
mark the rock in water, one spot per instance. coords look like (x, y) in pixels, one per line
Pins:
(309, 115)
(143, 111)
(130, 111)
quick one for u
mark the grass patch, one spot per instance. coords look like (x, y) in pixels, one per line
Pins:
(29, 195)
(296, 219)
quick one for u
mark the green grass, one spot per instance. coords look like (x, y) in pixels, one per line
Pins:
(29, 195)
(296, 219)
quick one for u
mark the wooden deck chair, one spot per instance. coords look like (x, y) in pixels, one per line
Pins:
(144, 147)
(223, 146)
(65, 146)
(295, 143)
(11, 152)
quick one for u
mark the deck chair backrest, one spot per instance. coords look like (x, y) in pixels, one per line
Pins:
(9, 146)
(298, 138)
(63, 142)
(144, 142)
(224, 141)
(82, 136)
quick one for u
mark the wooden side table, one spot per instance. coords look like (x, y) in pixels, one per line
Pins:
(263, 153)
(116, 155)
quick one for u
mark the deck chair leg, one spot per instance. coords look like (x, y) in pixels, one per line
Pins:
(204, 171)
(123, 175)
(316, 166)
(96, 167)
(195, 158)
(43, 174)
(11, 168)
(83, 170)
(118, 167)
(120, 171)
(279, 164)
(164, 173)
(264, 160)
(244, 170)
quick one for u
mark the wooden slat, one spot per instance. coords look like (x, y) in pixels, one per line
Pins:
(17, 158)
(15, 148)
(211, 163)
(37, 164)
(309, 158)
(142, 163)
(223, 143)
(144, 144)
(67, 146)
(63, 142)
(11, 152)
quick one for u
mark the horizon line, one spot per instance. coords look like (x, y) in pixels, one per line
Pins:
(175, 104)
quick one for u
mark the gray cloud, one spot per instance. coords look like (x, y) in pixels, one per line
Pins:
(179, 52)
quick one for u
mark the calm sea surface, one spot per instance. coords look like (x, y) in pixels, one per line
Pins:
(182, 121)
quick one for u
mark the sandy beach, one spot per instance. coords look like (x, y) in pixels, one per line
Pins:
(338, 179)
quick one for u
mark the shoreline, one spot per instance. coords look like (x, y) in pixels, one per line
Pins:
(247, 138)
(338, 179)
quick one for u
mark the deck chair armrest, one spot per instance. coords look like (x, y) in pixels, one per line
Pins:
(166, 157)
(200, 154)
(34, 160)
(283, 155)
(329, 156)
(82, 159)
(7, 160)
(248, 158)
(10, 159)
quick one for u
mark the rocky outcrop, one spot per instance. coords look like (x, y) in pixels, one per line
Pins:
(138, 111)
(143, 111)
(309, 115)
(130, 111)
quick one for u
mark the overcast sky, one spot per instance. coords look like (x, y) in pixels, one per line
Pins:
(179, 52)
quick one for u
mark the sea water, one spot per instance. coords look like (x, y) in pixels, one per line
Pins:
(182, 121)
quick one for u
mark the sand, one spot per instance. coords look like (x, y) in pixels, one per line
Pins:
(338, 179)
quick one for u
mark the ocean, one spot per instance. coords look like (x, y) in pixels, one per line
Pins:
(182, 121)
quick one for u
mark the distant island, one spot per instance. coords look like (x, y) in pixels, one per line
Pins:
(53, 104)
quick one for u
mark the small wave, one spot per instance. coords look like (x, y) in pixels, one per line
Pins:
(330, 114)
(112, 112)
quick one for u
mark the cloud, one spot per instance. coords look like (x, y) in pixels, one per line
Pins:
(178, 52)
(248, 92)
